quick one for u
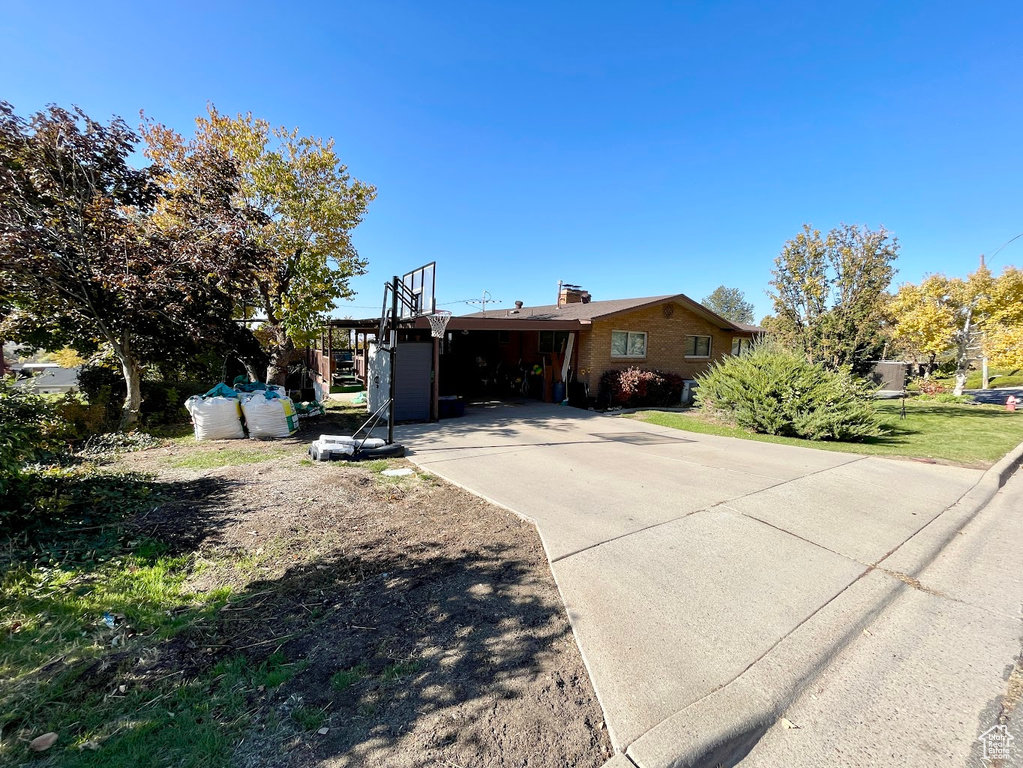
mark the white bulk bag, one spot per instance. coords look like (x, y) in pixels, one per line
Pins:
(215, 418)
(275, 417)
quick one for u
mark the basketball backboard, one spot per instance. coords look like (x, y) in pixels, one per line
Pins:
(418, 291)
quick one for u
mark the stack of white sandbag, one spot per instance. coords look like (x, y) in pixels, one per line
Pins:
(268, 415)
(215, 418)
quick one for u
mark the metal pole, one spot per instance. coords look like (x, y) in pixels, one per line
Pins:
(394, 357)
(435, 384)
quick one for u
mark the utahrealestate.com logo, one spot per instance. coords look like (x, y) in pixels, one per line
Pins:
(997, 743)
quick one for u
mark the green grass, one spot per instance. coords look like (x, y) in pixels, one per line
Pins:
(400, 670)
(346, 678)
(973, 435)
(339, 389)
(108, 691)
(308, 718)
(55, 643)
(227, 457)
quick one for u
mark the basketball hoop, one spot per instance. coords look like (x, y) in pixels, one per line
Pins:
(438, 322)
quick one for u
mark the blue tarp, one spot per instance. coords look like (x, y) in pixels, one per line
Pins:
(221, 390)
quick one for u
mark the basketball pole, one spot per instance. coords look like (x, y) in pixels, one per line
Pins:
(394, 358)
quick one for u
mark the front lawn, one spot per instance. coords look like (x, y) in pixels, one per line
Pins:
(971, 435)
(234, 603)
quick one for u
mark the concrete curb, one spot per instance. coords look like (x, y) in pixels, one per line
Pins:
(724, 726)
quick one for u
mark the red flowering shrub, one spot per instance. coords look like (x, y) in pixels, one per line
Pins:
(931, 387)
(636, 387)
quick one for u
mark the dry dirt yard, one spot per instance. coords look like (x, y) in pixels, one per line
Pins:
(418, 624)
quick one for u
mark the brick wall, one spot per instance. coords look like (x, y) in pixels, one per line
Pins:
(666, 332)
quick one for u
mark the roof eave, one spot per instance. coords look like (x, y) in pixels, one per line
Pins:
(694, 306)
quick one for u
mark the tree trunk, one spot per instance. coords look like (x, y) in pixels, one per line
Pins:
(963, 354)
(250, 368)
(282, 354)
(133, 380)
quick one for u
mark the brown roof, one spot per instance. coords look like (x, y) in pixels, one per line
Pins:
(748, 327)
(595, 310)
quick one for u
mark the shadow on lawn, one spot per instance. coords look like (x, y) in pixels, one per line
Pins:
(401, 641)
(429, 639)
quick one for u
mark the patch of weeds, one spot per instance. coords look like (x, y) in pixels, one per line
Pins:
(308, 718)
(306, 462)
(346, 678)
(70, 513)
(376, 465)
(276, 671)
(111, 443)
(400, 670)
(228, 457)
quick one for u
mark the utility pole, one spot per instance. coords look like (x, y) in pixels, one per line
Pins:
(983, 363)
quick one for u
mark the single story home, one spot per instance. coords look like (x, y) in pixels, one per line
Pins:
(492, 354)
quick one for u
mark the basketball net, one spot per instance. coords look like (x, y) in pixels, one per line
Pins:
(438, 322)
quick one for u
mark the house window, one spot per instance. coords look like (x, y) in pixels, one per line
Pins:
(697, 346)
(553, 341)
(740, 345)
(628, 344)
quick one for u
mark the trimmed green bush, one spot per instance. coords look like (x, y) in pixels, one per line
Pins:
(774, 391)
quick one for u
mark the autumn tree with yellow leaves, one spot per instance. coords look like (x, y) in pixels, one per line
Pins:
(980, 315)
(310, 206)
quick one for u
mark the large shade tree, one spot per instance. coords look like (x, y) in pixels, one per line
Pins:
(311, 205)
(830, 294)
(96, 252)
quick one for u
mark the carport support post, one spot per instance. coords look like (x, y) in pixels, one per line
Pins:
(393, 343)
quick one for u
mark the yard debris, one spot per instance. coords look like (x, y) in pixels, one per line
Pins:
(43, 743)
(402, 472)
(786, 723)
(323, 731)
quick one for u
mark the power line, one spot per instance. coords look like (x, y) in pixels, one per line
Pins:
(991, 258)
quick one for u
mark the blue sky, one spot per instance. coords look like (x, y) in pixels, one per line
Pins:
(636, 149)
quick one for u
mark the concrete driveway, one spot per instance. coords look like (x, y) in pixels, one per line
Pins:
(701, 574)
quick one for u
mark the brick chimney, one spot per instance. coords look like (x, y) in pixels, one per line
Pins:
(572, 294)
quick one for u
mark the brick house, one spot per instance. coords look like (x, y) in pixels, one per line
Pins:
(669, 333)
(481, 352)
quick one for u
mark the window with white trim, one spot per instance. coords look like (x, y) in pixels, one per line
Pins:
(628, 344)
(697, 346)
(741, 345)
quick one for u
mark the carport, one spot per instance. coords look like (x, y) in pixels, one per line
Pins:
(478, 357)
